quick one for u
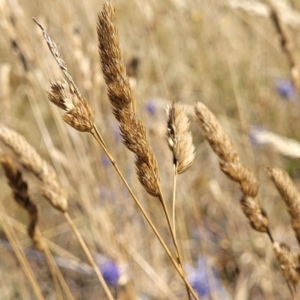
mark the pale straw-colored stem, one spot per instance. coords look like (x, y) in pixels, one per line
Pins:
(178, 268)
(53, 266)
(53, 271)
(89, 256)
(174, 200)
(11, 236)
(179, 259)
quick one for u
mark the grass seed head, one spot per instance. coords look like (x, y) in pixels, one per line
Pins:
(78, 113)
(255, 214)
(21, 196)
(288, 261)
(179, 137)
(32, 161)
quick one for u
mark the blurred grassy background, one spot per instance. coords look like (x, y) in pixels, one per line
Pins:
(188, 51)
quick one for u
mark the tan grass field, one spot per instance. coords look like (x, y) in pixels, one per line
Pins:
(142, 198)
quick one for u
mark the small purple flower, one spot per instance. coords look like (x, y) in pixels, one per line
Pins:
(151, 107)
(110, 272)
(198, 279)
(205, 280)
(285, 89)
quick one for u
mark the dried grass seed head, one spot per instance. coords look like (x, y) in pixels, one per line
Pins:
(78, 113)
(32, 161)
(21, 195)
(113, 67)
(179, 137)
(255, 214)
(229, 160)
(287, 190)
(147, 172)
(289, 194)
(289, 262)
(58, 57)
(215, 134)
(119, 91)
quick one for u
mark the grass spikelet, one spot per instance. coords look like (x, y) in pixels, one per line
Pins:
(231, 165)
(52, 189)
(289, 194)
(58, 57)
(32, 161)
(215, 134)
(79, 114)
(147, 170)
(255, 214)
(179, 137)
(286, 45)
(289, 262)
(120, 95)
(21, 196)
(113, 67)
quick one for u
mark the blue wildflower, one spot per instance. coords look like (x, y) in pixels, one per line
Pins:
(110, 272)
(204, 281)
(151, 107)
(285, 89)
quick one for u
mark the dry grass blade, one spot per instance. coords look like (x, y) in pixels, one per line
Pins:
(289, 194)
(179, 137)
(32, 161)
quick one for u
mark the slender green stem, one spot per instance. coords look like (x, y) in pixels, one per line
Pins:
(179, 269)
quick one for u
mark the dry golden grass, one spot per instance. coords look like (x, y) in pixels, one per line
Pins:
(233, 60)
